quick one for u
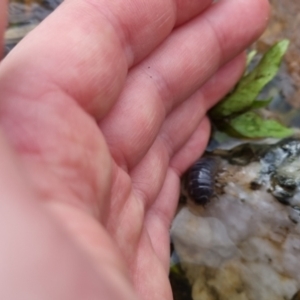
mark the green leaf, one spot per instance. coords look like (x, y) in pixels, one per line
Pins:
(250, 56)
(256, 104)
(250, 85)
(251, 125)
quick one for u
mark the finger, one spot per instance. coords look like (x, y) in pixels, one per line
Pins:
(85, 48)
(162, 211)
(192, 149)
(150, 276)
(175, 71)
(185, 118)
(187, 12)
(148, 176)
(159, 216)
(136, 33)
(3, 21)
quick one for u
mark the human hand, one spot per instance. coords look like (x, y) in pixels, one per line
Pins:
(102, 109)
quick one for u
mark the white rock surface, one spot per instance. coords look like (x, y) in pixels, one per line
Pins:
(243, 245)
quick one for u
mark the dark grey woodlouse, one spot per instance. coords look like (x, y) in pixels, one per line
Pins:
(200, 181)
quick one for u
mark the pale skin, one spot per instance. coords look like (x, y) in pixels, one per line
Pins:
(102, 109)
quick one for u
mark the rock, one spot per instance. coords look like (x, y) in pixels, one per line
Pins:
(245, 243)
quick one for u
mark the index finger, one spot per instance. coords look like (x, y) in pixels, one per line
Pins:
(85, 48)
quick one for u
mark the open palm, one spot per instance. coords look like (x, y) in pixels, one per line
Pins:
(102, 108)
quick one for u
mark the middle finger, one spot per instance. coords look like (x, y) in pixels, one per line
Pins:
(175, 71)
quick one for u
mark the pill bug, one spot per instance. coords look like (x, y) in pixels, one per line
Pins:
(200, 181)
